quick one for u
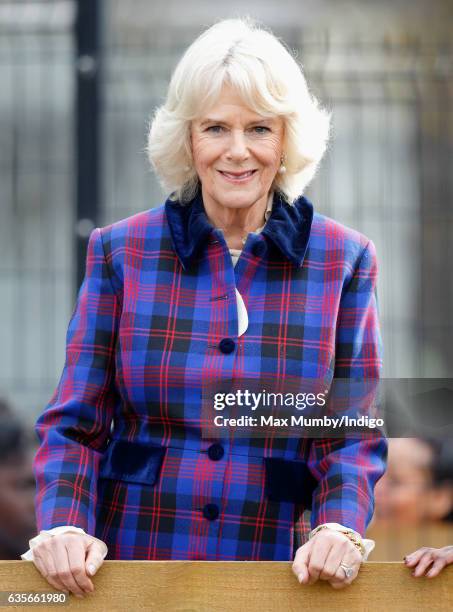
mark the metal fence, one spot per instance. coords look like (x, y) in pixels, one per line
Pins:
(386, 172)
(36, 197)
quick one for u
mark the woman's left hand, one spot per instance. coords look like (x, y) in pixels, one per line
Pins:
(320, 559)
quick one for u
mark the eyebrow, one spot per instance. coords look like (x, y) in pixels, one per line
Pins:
(220, 121)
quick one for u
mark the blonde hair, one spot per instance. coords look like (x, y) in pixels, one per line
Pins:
(271, 83)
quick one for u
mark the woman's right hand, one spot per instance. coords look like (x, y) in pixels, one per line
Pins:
(67, 560)
(434, 558)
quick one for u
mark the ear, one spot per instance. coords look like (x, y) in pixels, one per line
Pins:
(439, 502)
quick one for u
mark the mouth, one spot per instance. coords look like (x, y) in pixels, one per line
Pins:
(238, 177)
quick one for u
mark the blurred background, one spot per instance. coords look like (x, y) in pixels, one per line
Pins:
(79, 82)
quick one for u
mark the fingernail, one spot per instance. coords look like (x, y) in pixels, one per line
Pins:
(79, 596)
(301, 577)
(92, 569)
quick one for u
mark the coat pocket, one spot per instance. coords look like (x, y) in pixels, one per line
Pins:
(132, 461)
(289, 480)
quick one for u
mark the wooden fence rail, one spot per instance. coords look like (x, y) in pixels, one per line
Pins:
(246, 586)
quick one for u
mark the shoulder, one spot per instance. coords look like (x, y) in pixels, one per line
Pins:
(341, 249)
(327, 234)
(141, 231)
(128, 242)
(143, 224)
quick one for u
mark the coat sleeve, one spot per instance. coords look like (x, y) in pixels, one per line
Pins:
(75, 425)
(348, 468)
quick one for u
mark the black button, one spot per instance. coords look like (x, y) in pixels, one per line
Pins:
(211, 512)
(259, 248)
(226, 345)
(215, 452)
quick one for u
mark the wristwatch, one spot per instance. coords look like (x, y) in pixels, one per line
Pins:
(352, 535)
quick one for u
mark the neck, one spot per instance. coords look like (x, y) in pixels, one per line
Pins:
(236, 223)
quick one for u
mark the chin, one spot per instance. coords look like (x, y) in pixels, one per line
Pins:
(237, 200)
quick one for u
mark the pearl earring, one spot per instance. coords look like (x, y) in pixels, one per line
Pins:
(282, 168)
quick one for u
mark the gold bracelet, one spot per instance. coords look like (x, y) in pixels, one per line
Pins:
(352, 536)
(354, 539)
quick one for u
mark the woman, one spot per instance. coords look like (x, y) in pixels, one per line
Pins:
(234, 276)
(417, 488)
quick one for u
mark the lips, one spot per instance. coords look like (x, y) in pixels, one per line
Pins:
(238, 176)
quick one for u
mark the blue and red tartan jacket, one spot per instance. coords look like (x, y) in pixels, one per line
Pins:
(121, 453)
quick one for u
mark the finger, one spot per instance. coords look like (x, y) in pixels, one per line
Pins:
(94, 558)
(319, 552)
(351, 558)
(44, 562)
(300, 564)
(423, 564)
(414, 558)
(75, 548)
(332, 563)
(437, 567)
(64, 572)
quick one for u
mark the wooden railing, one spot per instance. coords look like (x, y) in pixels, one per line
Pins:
(246, 586)
(393, 540)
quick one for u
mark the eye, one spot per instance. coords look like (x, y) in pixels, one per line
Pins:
(215, 129)
(261, 129)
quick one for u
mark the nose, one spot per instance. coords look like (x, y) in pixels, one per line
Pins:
(237, 149)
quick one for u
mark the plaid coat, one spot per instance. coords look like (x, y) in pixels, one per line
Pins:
(121, 454)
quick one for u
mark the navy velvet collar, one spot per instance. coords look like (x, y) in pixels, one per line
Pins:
(288, 227)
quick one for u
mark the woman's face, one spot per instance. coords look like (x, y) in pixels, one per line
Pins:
(236, 152)
(405, 494)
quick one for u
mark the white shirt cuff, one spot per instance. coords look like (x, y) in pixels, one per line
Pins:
(367, 543)
(45, 534)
